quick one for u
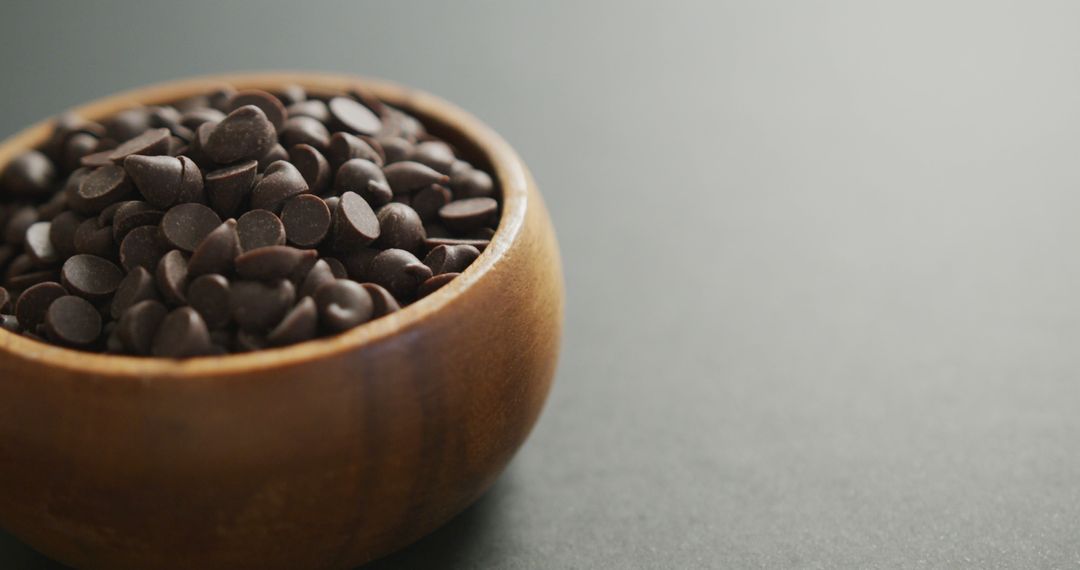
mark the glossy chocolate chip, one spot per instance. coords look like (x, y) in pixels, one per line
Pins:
(306, 219)
(38, 245)
(150, 143)
(244, 134)
(30, 174)
(399, 271)
(396, 149)
(104, 186)
(433, 242)
(383, 303)
(469, 214)
(400, 228)
(434, 283)
(273, 262)
(72, 321)
(9, 323)
(312, 165)
(311, 108)
(319, 275)
(182, 334)
(258, 306)
(451, 258)
(217, 251)
(280, 182)
(353, 116)
(138, 326)
(132, 214)
(472, 183)
(343, 304)
(171, 277)
(260, 228)
(31, 306)
(136, 287)
(142, 247)
(209, 295)
(366, 179)
(270, 105)
(157, 178)
(5, 301)
(305, 130)
(186, 225)
(428, 201)
(355, 223)
(436, 154)
(344, 147)
(406, 176)
(226, 188)
(91, 276)
(191, 182)
(299, 325)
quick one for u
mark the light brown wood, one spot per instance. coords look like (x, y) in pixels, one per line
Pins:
(326, 454)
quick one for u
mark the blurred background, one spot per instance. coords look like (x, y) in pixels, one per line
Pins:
(821, 259)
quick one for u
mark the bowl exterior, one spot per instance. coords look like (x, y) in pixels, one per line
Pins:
(321, 462)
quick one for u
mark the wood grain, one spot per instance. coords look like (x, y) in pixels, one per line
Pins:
(326, 454)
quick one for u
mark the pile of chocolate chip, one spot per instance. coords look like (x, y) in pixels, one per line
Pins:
(233, 221)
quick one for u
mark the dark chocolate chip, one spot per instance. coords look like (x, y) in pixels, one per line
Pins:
(9, 323)
(209, 295)
(472, 183)
(157, 178)
(291, 94)
(406, 176)
(72, 321)
(428, 201)
(104, 186)
(139, 325)
(18, 223)
(273, 262)
(312, 165)
(366, 179)
(399, 271)
(54, 207)
(182, 334)
(305, 130)
(136, 287)
(171, 277)
(280, 182)
(355, 223)
(396, 149)
(434, 283)
(244, 134)
(436, 154)
(30, 174)
(336, 267)
(306, 219)
(383, 303)
(353, 116)
(344, 147)
(469, 214)
(76, 147)
(270, 105)
(433, 242)
(311, 108)
(276, 153)
(216, 252)
(5, 301)
(127, 124)
(150, 143)
(301, 324)
(257, 306)
(38, 245)
(260, 228)
(194, 118)
(191, 182)
(400, 228)
(227, 188)
(184, 226)
(358, 262)
(26, 280)
(34, 302)
(451, 258)
(91, 276)
(319, 275)
(142, 247)
(343, 304)
(132, 214)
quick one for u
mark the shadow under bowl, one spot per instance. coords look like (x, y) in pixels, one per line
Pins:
(326, 454)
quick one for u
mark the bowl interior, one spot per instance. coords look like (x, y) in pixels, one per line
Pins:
(472, 138)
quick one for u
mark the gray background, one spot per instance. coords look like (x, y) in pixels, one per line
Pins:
(822, 259)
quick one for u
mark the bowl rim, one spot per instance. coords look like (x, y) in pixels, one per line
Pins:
(507, 168)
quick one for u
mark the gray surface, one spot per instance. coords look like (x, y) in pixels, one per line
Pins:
(821, 257)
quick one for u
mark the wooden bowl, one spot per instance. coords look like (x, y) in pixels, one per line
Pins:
(326, 454)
